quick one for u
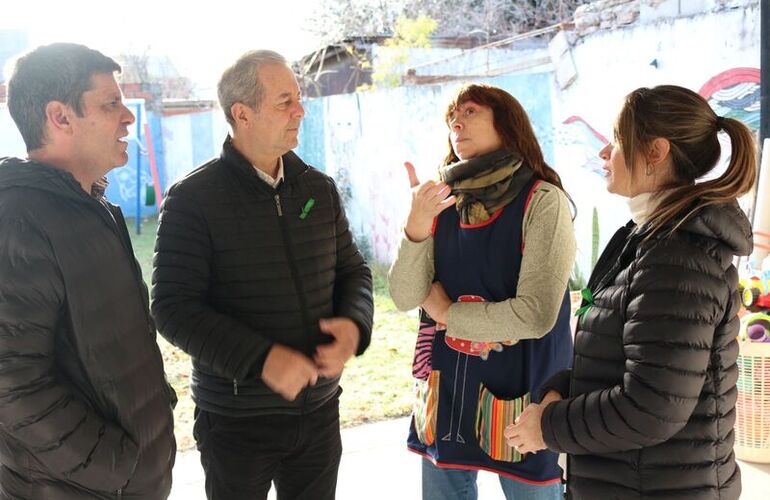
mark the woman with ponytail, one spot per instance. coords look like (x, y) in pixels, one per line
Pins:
(648, 409)
(487, 254)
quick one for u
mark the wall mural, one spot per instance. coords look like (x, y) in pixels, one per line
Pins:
(122, 189)
(580, 132)
(735, 93)
(125, 183)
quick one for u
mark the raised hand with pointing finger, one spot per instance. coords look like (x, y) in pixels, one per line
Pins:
(428, 200)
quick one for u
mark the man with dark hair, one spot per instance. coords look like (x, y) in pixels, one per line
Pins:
(85, 410)
(258, 278)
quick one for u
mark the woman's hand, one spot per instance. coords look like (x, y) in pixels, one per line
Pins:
(526, 434)
(437, 304)
(428, 200)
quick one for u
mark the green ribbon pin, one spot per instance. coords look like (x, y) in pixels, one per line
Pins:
(306, 209)
(588, 297)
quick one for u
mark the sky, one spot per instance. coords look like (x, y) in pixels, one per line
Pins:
(201, 38)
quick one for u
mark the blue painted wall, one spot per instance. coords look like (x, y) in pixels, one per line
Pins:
(156, 131)
(123, 180)
(202, 139)
(533, 91)
(312, 147)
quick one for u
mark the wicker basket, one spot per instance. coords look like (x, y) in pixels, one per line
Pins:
(752, 426)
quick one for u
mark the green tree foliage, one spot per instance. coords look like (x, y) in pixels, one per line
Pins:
(413, 32)
(409, 33)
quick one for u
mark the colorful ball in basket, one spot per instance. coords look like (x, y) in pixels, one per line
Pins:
(758, 333)
(755, 327)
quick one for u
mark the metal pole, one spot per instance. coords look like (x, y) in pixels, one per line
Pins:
(760, 216)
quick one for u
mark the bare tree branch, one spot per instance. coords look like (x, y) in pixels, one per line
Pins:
(335, 20)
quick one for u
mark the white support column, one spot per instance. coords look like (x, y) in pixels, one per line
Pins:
(761, 223)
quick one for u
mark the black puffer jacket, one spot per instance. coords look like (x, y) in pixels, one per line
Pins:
(237, 269)
(652, 390)
(85, 410)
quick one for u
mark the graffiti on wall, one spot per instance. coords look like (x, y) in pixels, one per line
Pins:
(124, 180)
(578, 132)
(122, 189)
(735, 94)
(384, 225)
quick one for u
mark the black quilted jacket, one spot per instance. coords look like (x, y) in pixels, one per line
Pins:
(85, 410)
(652, 392)
(237, 269)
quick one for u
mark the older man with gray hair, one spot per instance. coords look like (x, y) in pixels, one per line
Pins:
(258, 278)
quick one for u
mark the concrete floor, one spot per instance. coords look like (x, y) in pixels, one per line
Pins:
(379, 451)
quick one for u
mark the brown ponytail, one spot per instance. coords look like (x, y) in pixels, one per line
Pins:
(686, 120)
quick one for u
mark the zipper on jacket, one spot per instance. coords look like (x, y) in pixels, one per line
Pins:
(235, 387)
(119, 493)
(282, 223)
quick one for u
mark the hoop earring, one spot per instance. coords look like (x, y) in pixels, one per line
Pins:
(648, 170)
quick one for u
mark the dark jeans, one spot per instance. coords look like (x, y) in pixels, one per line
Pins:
(241, 456)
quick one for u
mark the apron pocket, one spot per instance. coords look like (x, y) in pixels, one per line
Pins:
(493, 415)
(426, 408)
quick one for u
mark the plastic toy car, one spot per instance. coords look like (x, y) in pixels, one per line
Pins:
(755, 292)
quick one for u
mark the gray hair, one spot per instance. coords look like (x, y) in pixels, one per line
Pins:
(56, 72)
(239, 82)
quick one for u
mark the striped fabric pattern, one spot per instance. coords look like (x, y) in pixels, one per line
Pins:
(492, 417)
(423, 348)
(426, 408)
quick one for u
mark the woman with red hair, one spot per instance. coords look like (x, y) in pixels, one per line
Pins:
(487, 254)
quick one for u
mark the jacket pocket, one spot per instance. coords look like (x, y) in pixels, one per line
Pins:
(493, 415)
(426, 407)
